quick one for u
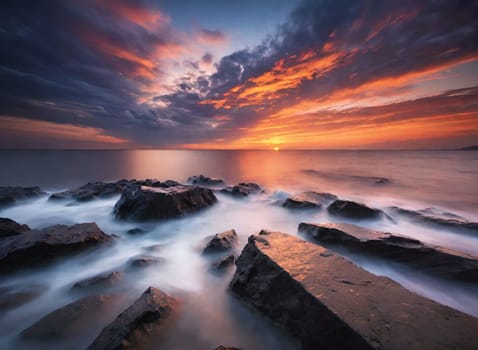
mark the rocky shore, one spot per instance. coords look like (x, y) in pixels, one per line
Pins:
(318, 297)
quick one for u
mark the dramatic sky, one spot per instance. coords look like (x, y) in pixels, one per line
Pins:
(248, 74)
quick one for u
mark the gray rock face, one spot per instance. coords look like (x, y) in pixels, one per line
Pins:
(202, 180)
(243, 189)
(102, 280)
(9, 195)
(427, 217)
(326, 302)
(221, 242)
(38, 246)
(151, 310)
(224, 263)
(69, 319)
(353, 210)
(309, 200)
(433, 260)
(11, 228)
(153, 203)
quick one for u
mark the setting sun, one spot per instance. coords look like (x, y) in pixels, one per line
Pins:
(276, 148)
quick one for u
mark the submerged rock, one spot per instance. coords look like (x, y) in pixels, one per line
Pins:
(10, 195)
(224, 263)
(353, 210)
(38, 246)
(372, 180)
(202, 180)
(222, 347)
(13, 297)
(129, 329)
(102, 280)
(412, 252)
(70, 319)
(145, 261)
(326, 302)
(135, 231)
(243, 189)
(153, 203)
(309, 200)
(9, 227)
(423, 217)
(221, 242)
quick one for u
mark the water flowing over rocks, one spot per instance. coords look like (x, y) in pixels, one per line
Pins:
(10, 195)
(38, 246)
(101, 280)
(129, 329)
(158, 203)
(243, 189)
(326, 302)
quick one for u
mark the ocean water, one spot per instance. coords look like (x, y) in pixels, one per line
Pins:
(209, 315)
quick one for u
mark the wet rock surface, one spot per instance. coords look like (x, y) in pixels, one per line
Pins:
(353, 210)
(102, 280)
(430, 217)
(412, 252)
(202, 180)
(9, 227)
(13, 297)
(309, 200)
(224, 263)
(129, 329)
(145, 261)
(221, 242)
(9, 195)
(69, 319)
(243, 189)
(154, 203)
(326, 302)
(38, 246)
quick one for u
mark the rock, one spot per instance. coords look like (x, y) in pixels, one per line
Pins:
(222, 347)
(224, 263)
(145, 261)
(9, 227)
(309, 200)
(152, 203)
(135, 231)
(102, 280)
(10, 195)
(326, 302)
(13, 297)
(154, 248)
(70, 319)
(38, 246)
(202, 180)
(221, 242)
(421, 217)
(370, 180)
(129, 329)
(433, 260)
(353, 210)
(243, 189)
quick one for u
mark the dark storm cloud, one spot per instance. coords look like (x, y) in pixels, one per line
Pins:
(89, 63)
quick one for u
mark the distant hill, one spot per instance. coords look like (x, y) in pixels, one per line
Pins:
(471, 148)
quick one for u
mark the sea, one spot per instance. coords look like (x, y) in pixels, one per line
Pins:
(440, 181)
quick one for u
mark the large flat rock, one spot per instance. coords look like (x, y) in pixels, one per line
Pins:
(326, 302)
(39, 246)
(434, 260)
(156, 203)
(131, 327)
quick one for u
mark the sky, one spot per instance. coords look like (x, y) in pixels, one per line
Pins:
(221, 74)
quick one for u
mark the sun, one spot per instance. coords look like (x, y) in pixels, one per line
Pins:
(276, 148)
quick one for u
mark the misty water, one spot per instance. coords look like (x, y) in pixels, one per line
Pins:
(209, 315)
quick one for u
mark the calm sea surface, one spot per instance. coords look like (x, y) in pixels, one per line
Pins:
(210, 316)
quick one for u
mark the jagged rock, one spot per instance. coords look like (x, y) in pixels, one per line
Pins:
(221, 242)
(102, 280)
(10, 195)
(145, 261)
(309, 200)
(135, 231)
(353, 210)
(326, 302)
(129, 329)
(13, 297)
(153, 203)
(453, 222)
(202, 180)
(68, 320)
(9, 227)
(412, 252)
(222, 347)
(243, 189)
(224, 263)
(38, 246)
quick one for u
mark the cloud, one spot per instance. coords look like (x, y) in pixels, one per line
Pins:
(214, 37)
